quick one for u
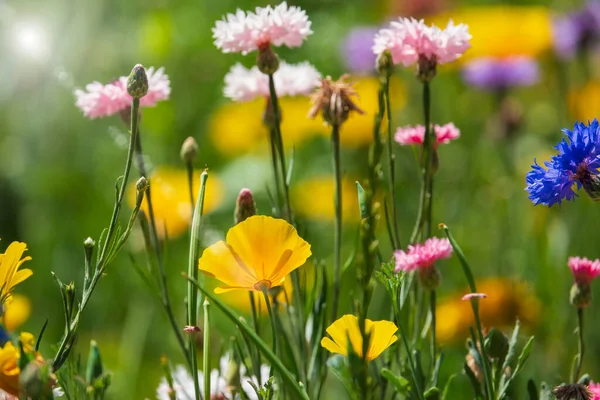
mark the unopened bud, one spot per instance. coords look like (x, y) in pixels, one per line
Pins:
(142, 184)
(94, 364)
(426, 68)
(581, 294)
(137, 82)
(89, 243)
(496, 344)
(429, 277)
(385, 64)
(245, 207)
(189, 150)
(267, 60)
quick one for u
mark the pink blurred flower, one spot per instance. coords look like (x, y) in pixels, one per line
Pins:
(423, 255)
(470, 296)
(584, 270)
(98, 100)
(595, 389)
(243, 84)
(247, 31)
(408, 39)
(410, 135)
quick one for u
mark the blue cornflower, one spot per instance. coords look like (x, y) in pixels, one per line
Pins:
(577, 161)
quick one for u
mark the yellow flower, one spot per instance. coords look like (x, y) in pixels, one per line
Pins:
(16, 312)
(171, 199)
(313, 198)
(584, 103)
(501, 31)
(259, 252)
(382, 336)
(9, 361)
(506, 301)
(10, 276)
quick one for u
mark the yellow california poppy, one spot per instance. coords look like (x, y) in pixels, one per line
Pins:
(16, 312)
(506, 301)
(584, 103)
(171, 198)
(502, 30)
(10, 276)
(258, 253)
(9, 361)
(313, 198)
(383, 335)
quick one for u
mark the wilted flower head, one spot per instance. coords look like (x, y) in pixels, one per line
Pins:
(243, 84)
(333, 100)
(577, 162)
(247, 31)
(356, 52)
(500, 73)
(422, 255)
(578, 30)
(410, 135)
(574, 391)
(98, 100)
(410, 40)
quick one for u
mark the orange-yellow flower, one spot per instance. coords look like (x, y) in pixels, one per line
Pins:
(10, 276)
(313, 198)
(9, 361)
(258, 253)
(16, 312)
(383, 335)
(584, 102)
(171, 199)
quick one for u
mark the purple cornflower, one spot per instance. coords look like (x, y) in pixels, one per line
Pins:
(501, 73)
(356, 50)
(577, 30)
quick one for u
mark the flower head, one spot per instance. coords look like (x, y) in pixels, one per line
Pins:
(9, 363)
(421, 256)
(383, 335)
(578, 30)
(98, 100)
(410, 135)
(333, 100)
(409, 40)
(247, 31)
(258, 253)
(500, 73)
(583, 269)
(577, 162)
(595, 390)
(356, 52)
(10, 275)
(243, 84)
(311, 198)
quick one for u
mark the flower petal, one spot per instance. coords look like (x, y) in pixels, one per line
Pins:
(219, 262)
(383, 334)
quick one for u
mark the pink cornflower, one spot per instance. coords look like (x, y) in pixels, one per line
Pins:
(410, 135)
(98, 100)
(247, 31)
(243, 84)
(595, 389)
(470, 296)
(584, 270)
(421, 256)
(409, 39)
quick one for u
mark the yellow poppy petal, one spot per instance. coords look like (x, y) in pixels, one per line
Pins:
(333, 346)
(383, 335)
(219, 262)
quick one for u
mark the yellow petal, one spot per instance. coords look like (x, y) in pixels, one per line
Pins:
(333, 347)
(20, 276)
(344, 328)
(382, 337)
(16, 312)
(218, 261)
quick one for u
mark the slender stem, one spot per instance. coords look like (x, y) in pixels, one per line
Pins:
(391, 172)
(190, 176)
(280, 149)
(192, 292)
(581, 344)
(411, 363)
(335, 144)
(429, 213)
(206, 351)
(432, 305)
(274, 159)
(273, 327)
(255, 358)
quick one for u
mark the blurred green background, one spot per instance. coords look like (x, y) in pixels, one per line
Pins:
(57, 168)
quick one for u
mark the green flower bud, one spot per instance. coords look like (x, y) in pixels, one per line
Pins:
(581, 294)
(385, 64)
(137, 82)
(496, 344)
(429, 277)
(94, 365)
(142, 184)
(267, 60)
(426, 69)
(189, 150)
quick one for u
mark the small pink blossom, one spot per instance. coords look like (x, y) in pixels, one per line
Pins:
(98, 100)
(410, 135)
(470, 296)
(243, 84)
(247, 31)
(584, 270)
(423, 255)
(595, 389)
(408, 39)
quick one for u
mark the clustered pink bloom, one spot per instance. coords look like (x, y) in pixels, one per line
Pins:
(247, 31)
(595, 389)
(423, 255)
(410, 135)
(470, 296)
(584, 270)
(408, 39)
(98, 100)
(243, 84)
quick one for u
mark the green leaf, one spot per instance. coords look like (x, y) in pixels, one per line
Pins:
(339, 366)
(401, 384)
(362, 203)
(524, 355)
(512, 346)
(474, 382)
(432, 393)
(532, 390)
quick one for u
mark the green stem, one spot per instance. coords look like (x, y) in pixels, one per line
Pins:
(190, 176)
(273, 327)
(276, 178)
(432, 305)
(192, 293)
(335, 144)
(391, 173)
(206, 351)
(255, 358)
(581, 344)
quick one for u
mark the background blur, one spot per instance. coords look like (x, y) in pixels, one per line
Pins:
(57, 168)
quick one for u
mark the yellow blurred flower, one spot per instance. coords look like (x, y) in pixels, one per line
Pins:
(501, 31)
(313, 198)
(382, 336)
(585, 102)
(506, 301)
(259, 252)
(171, 199)
(16, 312)
(10, 276)
(9, 359)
